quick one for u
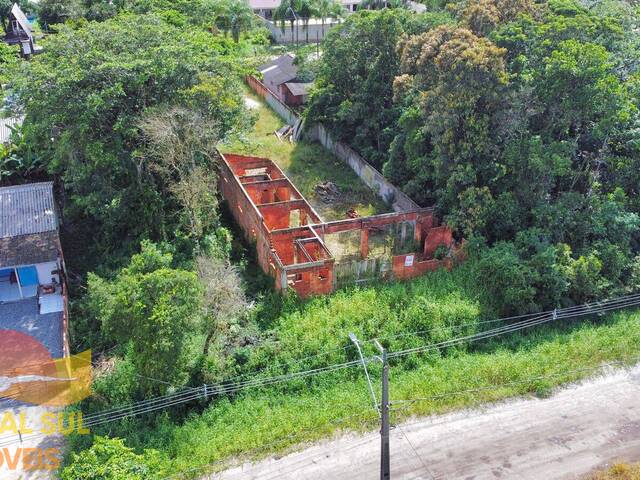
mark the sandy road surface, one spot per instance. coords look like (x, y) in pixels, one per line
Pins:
(561, 437)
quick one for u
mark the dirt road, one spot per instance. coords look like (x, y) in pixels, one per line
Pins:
(561, 437)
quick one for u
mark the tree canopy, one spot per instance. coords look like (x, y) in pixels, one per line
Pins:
(519, 122)
(84, 99)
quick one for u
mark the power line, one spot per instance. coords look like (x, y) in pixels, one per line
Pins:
(496, 386)
(407, 403)
(194, 393)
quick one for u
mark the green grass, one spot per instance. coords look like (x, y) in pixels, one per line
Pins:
(261, 423)
(307, 165)
(441, 305)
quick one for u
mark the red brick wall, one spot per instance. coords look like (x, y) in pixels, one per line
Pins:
(435, 237)
(314, 281)
(418, 267)
(269, 227)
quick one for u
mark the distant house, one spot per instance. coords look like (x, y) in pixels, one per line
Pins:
(32, 289)
(280, 76)
(295, 93)
(20, 32)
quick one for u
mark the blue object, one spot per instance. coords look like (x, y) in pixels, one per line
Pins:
(28, 276)
(5, 272)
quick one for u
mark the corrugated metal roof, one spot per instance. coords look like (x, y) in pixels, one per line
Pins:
(27, 209)
(279, 70)
(298, 89)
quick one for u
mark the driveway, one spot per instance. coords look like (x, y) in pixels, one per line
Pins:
(562, 437)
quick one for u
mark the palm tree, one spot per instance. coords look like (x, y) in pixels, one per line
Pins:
(291, 11)
(234, 16)
(327, 9)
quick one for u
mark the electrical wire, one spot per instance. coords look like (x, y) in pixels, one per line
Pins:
(194, 393)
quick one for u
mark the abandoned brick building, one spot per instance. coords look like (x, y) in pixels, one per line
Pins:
(302, 252)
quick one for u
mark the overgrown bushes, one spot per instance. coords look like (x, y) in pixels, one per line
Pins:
(518, 121)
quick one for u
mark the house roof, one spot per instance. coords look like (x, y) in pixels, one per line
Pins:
(298, 89)
(264, 4)
(6, 126)
(279, 70)
(27, 209)
(19, 15)
(29, 249)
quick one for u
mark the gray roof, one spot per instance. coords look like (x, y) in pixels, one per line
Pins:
(25, 317)
(298, 88)
(279, 70)
(27, 209)
(6, 127)
(19, 15)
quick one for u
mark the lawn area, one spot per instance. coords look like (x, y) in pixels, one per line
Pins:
(307, 165)
(312, 334)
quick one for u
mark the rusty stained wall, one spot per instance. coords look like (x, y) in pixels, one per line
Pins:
(289, 235)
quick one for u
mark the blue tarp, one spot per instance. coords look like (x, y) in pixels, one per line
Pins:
(28, 276)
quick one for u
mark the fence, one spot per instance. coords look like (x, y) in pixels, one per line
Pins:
(272, 100)
(369, 175)
(311, 31)
(399, 201)
(7, 126)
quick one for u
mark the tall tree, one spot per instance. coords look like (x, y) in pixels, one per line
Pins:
(84, 97)
(181, 149)
(355, 80)
(234, 16)
(327, 9)
(224, 300)
(154, 308)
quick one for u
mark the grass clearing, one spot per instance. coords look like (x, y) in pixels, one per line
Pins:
(307, 165)
(261, 423)
(441, 305)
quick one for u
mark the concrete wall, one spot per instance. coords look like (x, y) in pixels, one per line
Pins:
(273, 100)
(314, 31)
(369, 175)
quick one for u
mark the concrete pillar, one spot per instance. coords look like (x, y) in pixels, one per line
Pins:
(364, 243)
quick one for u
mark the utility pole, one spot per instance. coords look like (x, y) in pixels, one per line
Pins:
(385, 455)
(383, 408)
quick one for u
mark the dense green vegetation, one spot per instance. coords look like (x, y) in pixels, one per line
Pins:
(518, 121)
(442, 305)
